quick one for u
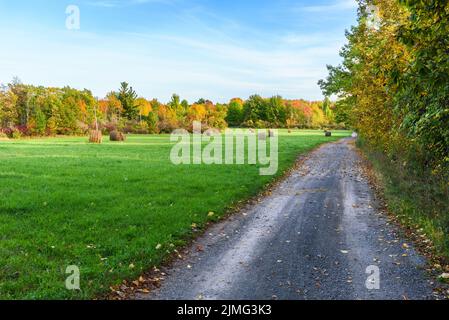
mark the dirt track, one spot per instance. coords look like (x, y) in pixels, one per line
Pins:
(313, 238)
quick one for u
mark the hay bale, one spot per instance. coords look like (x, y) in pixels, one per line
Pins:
(212, 132)
(117, 136)
(96, 137)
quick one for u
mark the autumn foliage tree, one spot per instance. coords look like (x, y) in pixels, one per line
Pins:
(30, 110)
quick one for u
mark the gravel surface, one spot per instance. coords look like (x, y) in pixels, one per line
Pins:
(313, 238)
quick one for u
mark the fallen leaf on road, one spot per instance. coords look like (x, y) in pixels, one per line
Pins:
(444, 277)
(143, 291)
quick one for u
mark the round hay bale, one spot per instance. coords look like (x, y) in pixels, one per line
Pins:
(262, 135)
(96, 137)
(117, 136)
(212, 132)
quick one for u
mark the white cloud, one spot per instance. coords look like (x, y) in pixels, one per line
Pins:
(213, 57)
(124, 3)
(158, 65)
(332, 7)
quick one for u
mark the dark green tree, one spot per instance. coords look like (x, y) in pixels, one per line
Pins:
(254, 109)
(201, 101)
(127, 97)
(152, 121)
(234, 116)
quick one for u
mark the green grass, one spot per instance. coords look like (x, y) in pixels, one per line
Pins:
(105, 207)
(417, 198)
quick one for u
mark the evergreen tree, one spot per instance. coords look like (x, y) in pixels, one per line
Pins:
(127, 97)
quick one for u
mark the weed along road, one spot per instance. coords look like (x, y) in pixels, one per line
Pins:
(318, 235)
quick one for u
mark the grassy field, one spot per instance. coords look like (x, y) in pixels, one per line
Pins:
(106, 208)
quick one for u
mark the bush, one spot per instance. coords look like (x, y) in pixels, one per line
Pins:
(16, 133)
(142, 128)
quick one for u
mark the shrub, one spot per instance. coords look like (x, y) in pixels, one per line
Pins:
(142, 128)
(16, 133)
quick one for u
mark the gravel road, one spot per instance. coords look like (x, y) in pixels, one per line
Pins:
(313, 238)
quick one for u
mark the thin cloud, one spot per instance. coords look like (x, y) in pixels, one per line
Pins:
(118, 3)
(332, 7)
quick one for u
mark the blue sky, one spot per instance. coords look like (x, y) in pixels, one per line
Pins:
(216, 49)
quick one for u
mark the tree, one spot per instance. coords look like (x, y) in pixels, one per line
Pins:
(155, 104)
(175, 103)
(327, 109)
(127, 97)
(254, 109)
(152, 121)
(8, 110)
(423, 88)
(185, 104)
(112, 107)
(41, 122)
(364, 81)
(343, 113)
(168, 121)
(234, 115)
(144, 107)
(21, 91)
(275, 112)
(201, 101)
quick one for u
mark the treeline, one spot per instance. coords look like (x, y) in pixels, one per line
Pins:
(393, 87)
(27, 110)
(394, 81)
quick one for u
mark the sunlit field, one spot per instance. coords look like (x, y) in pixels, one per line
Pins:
(115, 209)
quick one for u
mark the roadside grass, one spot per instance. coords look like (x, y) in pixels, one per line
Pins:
(417, 198)
(114, 210)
